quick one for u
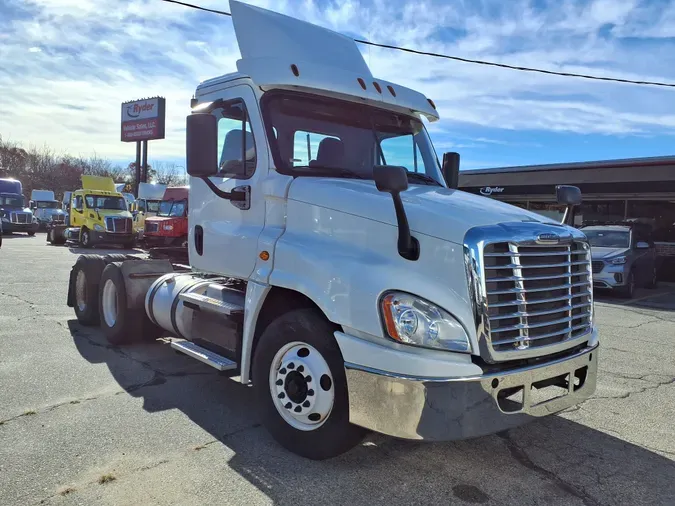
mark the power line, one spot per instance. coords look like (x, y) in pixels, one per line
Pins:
(469, 60)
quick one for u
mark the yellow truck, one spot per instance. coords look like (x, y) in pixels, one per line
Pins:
(98, 215)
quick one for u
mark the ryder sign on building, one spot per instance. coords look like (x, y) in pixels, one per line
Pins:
(143, 120)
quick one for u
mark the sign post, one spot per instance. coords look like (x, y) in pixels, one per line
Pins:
(143, 120)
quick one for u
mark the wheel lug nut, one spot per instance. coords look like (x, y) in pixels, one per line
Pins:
(279, 383)
(282, 395)
(308, 379)
(288, 405)
(300, 368)
(291, 365)
(297, 409)
(282, 370)
(310, 392)
(305, 404)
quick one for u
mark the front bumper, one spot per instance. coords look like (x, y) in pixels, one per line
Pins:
(113, 238)
(611, 276)
(8, 226)
(438, 409)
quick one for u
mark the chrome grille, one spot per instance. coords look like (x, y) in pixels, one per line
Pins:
(118, 225)
(151, 227)
(531, 298)
(20, 218)
(598, 265)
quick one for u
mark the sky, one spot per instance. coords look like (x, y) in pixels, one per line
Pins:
(66, 66)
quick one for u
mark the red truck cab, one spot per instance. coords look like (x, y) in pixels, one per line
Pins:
(170, 226)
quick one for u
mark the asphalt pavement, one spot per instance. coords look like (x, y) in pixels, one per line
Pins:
(82, 422)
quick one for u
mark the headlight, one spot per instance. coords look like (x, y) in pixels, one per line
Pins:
(412, 320)
(99, 228)
(168, 227)
(618, 260)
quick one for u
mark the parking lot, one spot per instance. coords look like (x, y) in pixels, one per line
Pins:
(85, 423)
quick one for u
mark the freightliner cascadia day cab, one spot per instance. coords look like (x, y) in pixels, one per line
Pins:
(46, 209)
(169, 227)
(335, 268)
(14, 214)
(98, 215)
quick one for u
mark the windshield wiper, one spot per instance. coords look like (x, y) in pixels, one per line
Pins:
(423, 177)
(336, 171)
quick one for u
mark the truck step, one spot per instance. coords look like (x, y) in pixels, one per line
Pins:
(203, 355)
(206, 303)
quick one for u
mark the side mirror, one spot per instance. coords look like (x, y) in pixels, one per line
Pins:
(201, 145)
(392, 179)
(642, 245)
(450, 169)
(570, 197)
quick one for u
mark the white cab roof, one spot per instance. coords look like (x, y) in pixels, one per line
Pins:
(326, 61)
(151, 191)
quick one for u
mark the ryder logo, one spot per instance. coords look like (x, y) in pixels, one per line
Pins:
(135, 110)
(491, 190)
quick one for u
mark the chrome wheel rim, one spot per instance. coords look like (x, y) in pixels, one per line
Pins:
(109, 303)
(81, 290)
(85, 238)
(301, 385)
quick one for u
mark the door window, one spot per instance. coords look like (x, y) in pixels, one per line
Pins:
(235, 141)
(78, 203)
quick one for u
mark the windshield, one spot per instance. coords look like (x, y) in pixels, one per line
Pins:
(172, 208)
(153, 205)
(47, 205)
(608, 238)
(314, 136)
(104, 202)
(11, 201)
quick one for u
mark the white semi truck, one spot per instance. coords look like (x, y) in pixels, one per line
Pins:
(336, 269)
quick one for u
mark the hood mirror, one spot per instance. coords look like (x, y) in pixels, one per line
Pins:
(450, 170)
(394, 180)
(570, 197)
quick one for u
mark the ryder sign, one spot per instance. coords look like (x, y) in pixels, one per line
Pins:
(143, 120)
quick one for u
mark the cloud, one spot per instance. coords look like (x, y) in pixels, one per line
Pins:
(66, 65)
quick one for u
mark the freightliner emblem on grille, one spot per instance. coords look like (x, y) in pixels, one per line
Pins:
(548, 238)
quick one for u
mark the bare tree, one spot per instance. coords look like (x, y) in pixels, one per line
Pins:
(169, 174)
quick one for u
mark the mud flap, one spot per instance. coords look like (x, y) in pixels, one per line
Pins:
(70, 301)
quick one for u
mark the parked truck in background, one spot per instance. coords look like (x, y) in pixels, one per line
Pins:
(98, 215)
(14, 214)
(354, 287)
(46, 209)
(170, 226)
(147, 204)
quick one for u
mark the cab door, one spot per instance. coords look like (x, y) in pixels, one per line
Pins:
(77, 211)
(224, 233)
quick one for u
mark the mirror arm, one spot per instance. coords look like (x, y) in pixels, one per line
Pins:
(408, 246)
(234, 196)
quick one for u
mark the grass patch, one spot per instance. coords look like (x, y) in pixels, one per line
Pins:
(106, 478)
(30, 412)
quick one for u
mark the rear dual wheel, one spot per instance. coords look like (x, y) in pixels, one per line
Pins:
(119, 323)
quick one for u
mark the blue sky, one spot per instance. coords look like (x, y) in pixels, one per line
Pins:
(66, 65)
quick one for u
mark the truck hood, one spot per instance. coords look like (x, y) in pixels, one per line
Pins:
(112, 212)
(16, 209)
(598, 253)
(432, 210)
(158, 219)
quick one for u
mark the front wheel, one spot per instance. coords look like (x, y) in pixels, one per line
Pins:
(85, 238)
(31, 234)
(628, 290)
(301, 388)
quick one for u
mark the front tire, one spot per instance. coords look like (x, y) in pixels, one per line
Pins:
(301, 387)
(85, 238)
(628, 290)
(31, 234)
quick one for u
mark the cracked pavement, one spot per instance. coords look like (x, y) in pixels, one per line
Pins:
(85, 423)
